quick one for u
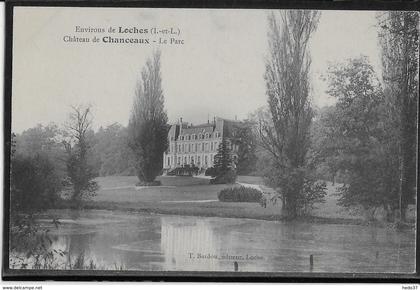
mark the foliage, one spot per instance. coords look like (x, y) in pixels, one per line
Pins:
(224, 167)
(244, 138)
(30, 245)
(399, 39)
(186, 170)
(356, 138)
(80, 172)
(112, 153)
(285, 135)
(44, 141)
(313, 192)
(227, 177)
(148, 128)
(240, 194)
(211, 171)
(35, 183)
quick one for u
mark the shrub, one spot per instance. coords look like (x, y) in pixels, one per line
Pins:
(227, 177)
(240, 194)
(35, 183)
(211, 171)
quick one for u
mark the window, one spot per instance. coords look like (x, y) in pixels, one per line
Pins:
(185, 160)
(207, 135)
(211, 146)
(179, 160)
(205, 159)
(195, 147)
(202, 146)
(169, 161)
(189, 147)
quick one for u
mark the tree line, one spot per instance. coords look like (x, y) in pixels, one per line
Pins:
(367, 139)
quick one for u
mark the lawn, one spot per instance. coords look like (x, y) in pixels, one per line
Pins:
(196, 196)
(177, 195)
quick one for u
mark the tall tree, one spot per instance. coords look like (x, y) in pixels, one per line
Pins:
(288, 87)
(79, 171)
(399, 37)
(356, 140)
(224, 167)
(148, 125)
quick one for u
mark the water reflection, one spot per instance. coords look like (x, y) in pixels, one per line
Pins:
(114, 240)
(188, 244)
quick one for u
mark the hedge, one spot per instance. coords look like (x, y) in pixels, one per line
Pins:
(240, 194)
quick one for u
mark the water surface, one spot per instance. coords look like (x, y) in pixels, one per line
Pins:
(166, 243)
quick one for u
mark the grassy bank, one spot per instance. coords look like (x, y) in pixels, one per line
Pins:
(191, 196)
(196, 197)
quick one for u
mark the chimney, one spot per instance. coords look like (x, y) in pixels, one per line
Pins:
(180, 127)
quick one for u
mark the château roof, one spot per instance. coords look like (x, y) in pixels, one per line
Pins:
(220, 125)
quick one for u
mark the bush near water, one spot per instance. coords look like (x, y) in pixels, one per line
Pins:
(240, 194)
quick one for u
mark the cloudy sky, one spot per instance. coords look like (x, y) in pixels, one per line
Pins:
(218, 71)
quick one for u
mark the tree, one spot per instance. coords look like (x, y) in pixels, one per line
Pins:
(244, 138)
(398, 36)
(357, 138)
(224, 167)
(44, 141)
(79, 171)
(287, 136)
(35, 174)
(112, 154)
(35, 183)
(148, 126)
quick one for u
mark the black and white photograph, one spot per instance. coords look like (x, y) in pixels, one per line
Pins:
(187, 140)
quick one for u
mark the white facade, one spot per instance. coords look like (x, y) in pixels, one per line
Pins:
(193, 145)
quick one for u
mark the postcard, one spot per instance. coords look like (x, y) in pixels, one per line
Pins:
(153, 141)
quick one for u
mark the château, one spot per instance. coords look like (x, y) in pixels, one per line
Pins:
(196, 146)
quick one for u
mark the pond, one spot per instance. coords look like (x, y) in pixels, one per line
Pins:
(133, 241)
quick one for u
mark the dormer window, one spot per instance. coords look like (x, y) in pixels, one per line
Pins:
(187, 137)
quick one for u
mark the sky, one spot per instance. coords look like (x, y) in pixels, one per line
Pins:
(218, 71)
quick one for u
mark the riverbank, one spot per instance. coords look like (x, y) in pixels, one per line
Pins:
(189, 196)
